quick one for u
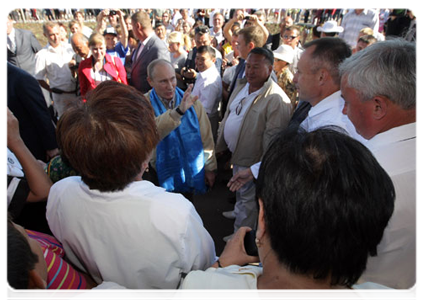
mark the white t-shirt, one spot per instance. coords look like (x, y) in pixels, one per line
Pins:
(208, 88)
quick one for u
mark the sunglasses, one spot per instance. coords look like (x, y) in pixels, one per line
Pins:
(289, 37)
(202, 30)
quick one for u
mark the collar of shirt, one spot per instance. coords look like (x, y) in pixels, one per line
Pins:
(169, 104)
(326, 104)
(11, 35)
(144, 42)
(391, 136)
(212, 71)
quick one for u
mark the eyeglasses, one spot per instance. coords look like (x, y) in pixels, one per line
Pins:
(202, 30)
(289, 37)
(238, 109)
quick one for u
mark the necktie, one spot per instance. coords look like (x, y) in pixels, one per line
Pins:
(300, 114)
(139, 50)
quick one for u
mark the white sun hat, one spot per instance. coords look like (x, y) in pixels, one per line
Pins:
(285, 53)
(330, 26)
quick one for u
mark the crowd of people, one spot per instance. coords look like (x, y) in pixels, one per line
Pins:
(113, 129)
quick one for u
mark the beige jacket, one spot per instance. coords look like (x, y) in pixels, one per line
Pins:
(268, 114)
(170, 120)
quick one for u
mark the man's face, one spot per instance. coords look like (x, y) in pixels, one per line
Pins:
(204, 61)
(75, 28)
(8, 25)
(184, 13)
(257, 69)
(81, 48)
(218, 21)
(291, 38)
(202, 40)
(164, 81)
(243, 47)
(53, 35)
(161, 32)
(111, 41)
(80, 18)
(286, 22)
(165, 18)
(306, 79)
(359, 112)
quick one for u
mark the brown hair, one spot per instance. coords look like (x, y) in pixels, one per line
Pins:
(96, 39)
(109, 137)
(253, 34)
(143, 18)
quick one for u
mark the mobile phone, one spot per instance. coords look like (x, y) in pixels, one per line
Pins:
(250, 243)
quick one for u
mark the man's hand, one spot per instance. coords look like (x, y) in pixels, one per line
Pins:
(188, 100)
(190, 74)
(210, 177)
(234, 252)
(240, 179)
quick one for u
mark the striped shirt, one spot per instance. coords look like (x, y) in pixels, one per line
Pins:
(353, 23)
(60, 274)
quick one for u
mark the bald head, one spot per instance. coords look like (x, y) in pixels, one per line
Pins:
(79, 44)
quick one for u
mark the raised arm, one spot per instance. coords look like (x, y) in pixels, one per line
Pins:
(38, 181)
(124, 38)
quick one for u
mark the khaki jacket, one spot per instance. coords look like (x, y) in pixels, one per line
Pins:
(269, 113)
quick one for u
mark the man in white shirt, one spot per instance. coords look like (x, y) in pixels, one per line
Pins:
(379, 87)
(52, 65)
(216, 31)
(354, 21)
(318, 83)
(208, 86)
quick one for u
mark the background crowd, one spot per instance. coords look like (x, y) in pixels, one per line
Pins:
(125, 116)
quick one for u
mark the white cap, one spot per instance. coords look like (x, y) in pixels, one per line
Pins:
(285, 53)
(330, 26)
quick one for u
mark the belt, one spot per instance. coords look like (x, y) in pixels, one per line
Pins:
(59, 91)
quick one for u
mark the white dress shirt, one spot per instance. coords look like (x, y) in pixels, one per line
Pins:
(141, 238)
(208, 88)
(395, 264)
(52, 64)
(328, 112)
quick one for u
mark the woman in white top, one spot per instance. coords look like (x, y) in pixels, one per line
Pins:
(112, 224)
(324, 202)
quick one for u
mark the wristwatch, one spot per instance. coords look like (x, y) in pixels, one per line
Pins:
(179, 111)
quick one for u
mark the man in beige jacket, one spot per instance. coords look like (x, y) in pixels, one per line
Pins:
(257, 109)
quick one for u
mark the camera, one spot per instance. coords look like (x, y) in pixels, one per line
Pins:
(113, 12)
(250, 243)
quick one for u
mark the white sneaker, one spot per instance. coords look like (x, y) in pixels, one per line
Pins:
(229, 214)
(227, 238)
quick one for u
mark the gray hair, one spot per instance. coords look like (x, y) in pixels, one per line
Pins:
(384, 69)
(152, 66)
